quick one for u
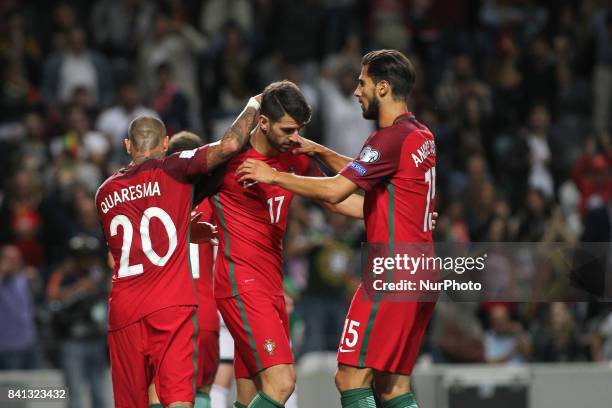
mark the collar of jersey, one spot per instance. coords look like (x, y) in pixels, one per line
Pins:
(261, 156)
(404, 116)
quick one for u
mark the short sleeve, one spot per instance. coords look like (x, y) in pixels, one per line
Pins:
(378, 160)
(208, 184)
(188, 165)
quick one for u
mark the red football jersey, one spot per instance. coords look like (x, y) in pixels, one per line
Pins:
(252, 221)
(202, 264)
(396, 168)
(144, 210)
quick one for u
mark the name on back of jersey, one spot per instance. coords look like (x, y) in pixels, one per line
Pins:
(148, 189)
(423, 152)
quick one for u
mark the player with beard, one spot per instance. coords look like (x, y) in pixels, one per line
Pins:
(396, 168)
(248, 271)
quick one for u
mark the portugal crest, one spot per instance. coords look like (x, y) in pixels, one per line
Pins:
(269, 346)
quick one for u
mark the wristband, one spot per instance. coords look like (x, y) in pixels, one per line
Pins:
(253, 104)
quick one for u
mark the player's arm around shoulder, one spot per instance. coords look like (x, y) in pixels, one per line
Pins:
(235, 137)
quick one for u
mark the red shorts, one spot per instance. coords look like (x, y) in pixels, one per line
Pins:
(208, 340)
(259, 325)
(208, 318)
(383, 335)
(159, 348)
(208, 357)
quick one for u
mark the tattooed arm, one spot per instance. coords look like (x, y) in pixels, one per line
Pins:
(235, 137)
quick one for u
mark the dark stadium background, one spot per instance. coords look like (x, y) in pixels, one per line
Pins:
(517, 92)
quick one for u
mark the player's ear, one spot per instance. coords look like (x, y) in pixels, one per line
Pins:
(128, 146)
(383, 88)
(165, 143)
(264, 123)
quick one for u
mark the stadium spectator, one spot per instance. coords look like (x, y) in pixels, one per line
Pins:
(20, 47)
(75, 66)
(540, 79)
(215, 15)
(457, 335)
(114, 121)
(458, 85)
(86, 219)
(602, 70)
(78, 150)
(540, 177)
(64, 17)
(605, 334)
(389, 21)
(591, 173)
(34, 150)
(76, 294)
(506, 83)
(532, 222)
(348, 56)
(21, 221)
(169, 102)
(330, 282)
(119, 27)
(558, 337)
(17, 93)
(180, 45)
(18, 333)
(342, 120)
(233, 71)
(505, 341)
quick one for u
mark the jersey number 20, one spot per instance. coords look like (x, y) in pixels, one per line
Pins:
(125, 269)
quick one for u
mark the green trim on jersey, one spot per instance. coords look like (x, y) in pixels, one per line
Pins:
(368, 331)
(391, 212)
(227, 245)
(247, 329)
(194, 358)
(391, 226)
(232, 277)
(191, 207)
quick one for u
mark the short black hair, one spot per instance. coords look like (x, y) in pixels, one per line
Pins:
(283, 97)
(184, 141)
(391, 66)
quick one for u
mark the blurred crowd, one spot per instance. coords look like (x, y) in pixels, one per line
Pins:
(517, 92)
